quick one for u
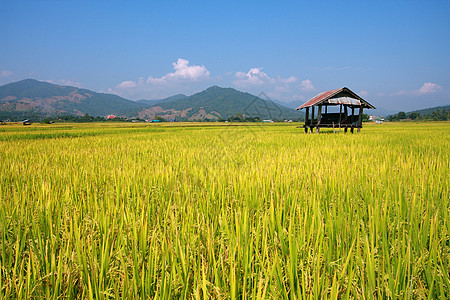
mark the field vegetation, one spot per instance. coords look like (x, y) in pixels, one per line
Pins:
(249, 211)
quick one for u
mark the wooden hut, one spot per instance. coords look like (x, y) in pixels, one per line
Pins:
(350, 110)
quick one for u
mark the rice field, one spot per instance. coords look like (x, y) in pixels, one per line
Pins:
(200, 211)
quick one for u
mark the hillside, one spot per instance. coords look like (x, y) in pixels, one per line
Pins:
(216, 103)
(32, 98)
(429, 111)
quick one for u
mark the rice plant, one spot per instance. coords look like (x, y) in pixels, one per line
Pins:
(100, 211)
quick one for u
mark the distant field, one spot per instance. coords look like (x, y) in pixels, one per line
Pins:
(224, 211)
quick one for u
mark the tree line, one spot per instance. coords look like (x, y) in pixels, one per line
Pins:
(437, 115)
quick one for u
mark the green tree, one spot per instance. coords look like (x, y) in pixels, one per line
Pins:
(401, 115)
(414, 116)
(365, 117)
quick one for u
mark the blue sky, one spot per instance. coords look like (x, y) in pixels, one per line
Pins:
(395, 54)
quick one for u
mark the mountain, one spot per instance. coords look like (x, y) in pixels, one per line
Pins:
(30, 97)
(168, 99)
(429, 111)
(216, 103)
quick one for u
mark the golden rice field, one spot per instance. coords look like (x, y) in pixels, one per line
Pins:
(99, 211)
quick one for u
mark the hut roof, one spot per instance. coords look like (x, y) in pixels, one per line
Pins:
(338, 96)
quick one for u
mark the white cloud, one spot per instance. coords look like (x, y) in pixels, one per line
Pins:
(182, 71)
(5, 73)
(290, 79)
(284, 89)
(363, 93)
(429, 88)
(127, 84)
(307, 85)
(256, 77)
(158, 80)
(182, 79)
(253, 77)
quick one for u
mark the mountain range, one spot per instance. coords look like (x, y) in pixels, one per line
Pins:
(30, 98)
(35, 99)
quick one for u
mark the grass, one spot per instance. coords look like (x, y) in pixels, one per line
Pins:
(219, 211)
